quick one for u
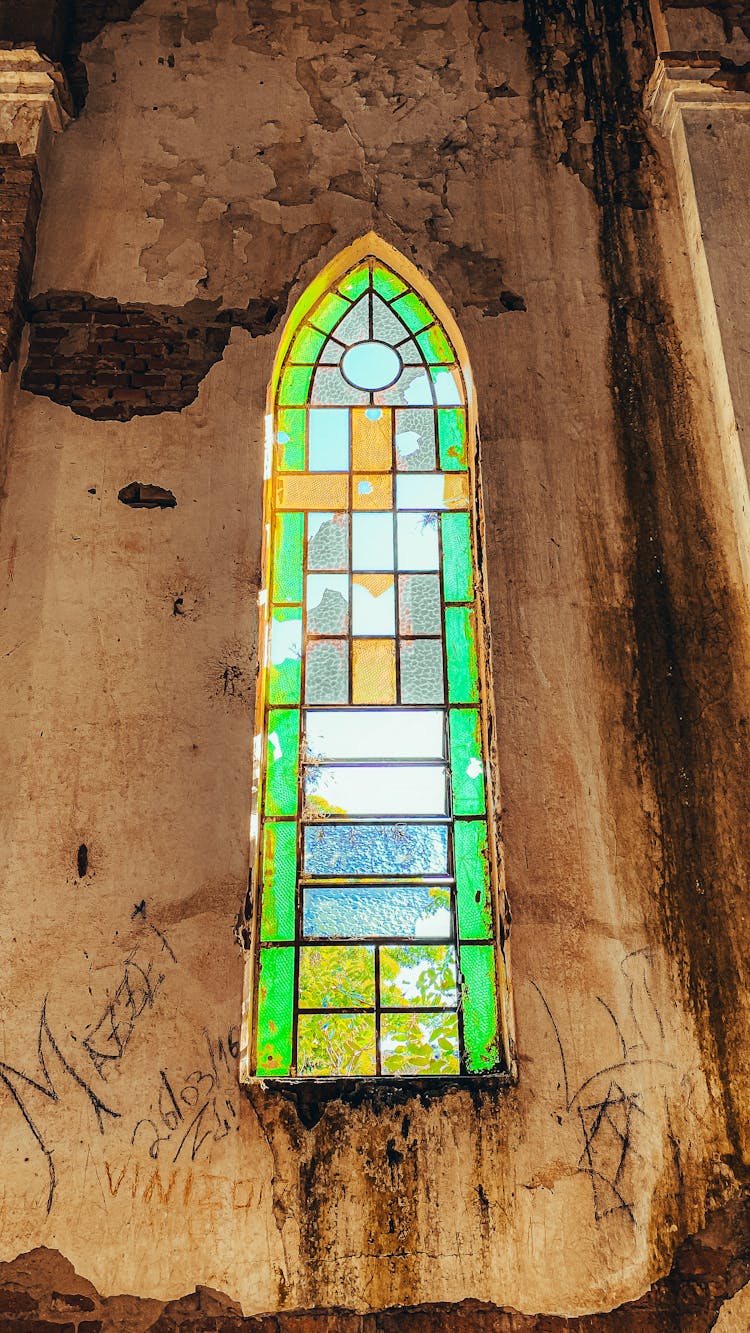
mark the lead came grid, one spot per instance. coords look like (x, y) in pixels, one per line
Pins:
(376, 952)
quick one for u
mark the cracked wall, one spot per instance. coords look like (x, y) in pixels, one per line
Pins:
(224, 154)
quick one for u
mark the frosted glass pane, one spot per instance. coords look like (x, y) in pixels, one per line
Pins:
(328, 439)
(422, 671)
(327, 541)
(355, 326)
(417, 539)
(413, 388)
(327, 672)
(419, 609)
(409, 910)
(385, 324)
(372, 541)
(376, 849)
(382, 790)
(387, 734)
(329, 386)
(327, 603)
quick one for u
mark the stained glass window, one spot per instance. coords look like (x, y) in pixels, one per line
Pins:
(376, 952)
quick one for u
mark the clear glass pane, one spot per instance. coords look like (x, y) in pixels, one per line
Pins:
(376, 849)
(336, 976)
(373, 604)
(336, 1045)
(328, 439)
(377, 790)
(385, 734)
(411, 910)
(419, 608)
(417, 541)
(327, 603)
(327, 672)
(327, 541)
(372, 541)
(424, 1044)
(418, 975)
(422, 671)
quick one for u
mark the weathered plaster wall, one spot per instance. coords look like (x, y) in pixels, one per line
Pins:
(224, 154)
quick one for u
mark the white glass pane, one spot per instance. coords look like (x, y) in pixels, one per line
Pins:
(390, 734)
(372, 542)
(398, 791)
(417, 541)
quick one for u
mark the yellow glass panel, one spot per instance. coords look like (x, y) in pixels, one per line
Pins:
(371, 440)
(373, 671)
(456, 490)
(372, 492)
(313, 490)
(376, 584)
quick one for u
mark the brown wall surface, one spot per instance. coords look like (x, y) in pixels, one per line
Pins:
(226, 152)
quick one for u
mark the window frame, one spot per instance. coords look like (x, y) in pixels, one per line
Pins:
(372, 246)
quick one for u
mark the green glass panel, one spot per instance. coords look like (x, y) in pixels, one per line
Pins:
(452, 436)
(411, 310)
(288, 537)
(295, 382)
(279, 880)
(457, 570)
(463, 674)
(275, 1010)
(467, 769)
(281, 761)
(290, 439)
(419, 1043)
(435, 345)
(481, 1036)
(336, 1045)
(285, 665)
(356, 282)
(387, 284)
(331, 309)
(307, 345)
(338, 976)
(413, 976)
(472, 879)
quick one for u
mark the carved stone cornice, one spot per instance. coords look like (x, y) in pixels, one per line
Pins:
(676, 87)
(34, 99)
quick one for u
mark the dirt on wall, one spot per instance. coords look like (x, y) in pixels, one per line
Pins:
(225, 153)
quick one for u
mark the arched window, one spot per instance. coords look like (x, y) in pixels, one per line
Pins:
(376, 950)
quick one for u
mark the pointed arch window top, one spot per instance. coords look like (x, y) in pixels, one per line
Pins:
(376, 941)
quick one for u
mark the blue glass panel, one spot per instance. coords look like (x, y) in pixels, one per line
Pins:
(376, 849)
(412, 911)
(328, 440)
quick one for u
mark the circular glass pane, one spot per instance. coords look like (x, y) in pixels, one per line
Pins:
(371, 365)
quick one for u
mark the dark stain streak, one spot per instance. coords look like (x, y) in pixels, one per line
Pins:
(82, 860)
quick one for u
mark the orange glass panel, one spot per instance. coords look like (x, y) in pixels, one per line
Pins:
(373, 671)
(456, 490)
(373, 491)
(374, 583)
(371, 440)
(312, 490)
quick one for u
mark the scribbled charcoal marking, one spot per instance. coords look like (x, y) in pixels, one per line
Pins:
(187, 1113)
(607, 1123)
(135, 992)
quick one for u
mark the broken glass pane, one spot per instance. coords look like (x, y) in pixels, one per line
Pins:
(418, 976)
(419, 1044)
(373, 604)
(327, 603)
(336, 1045)
(282, 754)
(410, 910)
(285, 665)
(413, 388)
(432, 490)
(415, 439)
(334, 976)
(378, 790)
(380, 733)
(373, 491)
(467, 769)
(327, 541)
(417, 541)
(376, 849)
(327, 671)
(448, 386)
